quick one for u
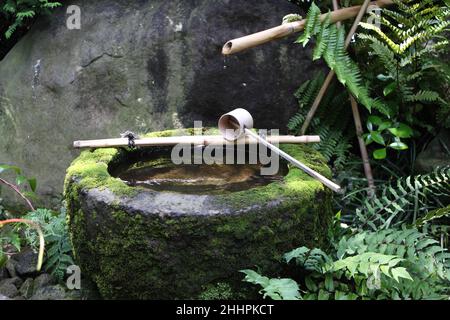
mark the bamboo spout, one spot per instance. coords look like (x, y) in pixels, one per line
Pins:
(259, 38)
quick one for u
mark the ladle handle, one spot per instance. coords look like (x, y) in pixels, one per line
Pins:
(330, 184)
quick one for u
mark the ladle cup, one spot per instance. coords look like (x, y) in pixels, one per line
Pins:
(238, 122)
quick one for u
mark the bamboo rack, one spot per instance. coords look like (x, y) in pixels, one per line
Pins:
(256, 39)
(194, 140)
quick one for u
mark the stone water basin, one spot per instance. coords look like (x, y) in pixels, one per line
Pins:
(144, 228)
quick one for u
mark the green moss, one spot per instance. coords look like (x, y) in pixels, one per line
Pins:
(90, 170)
(218, 291)
(296, 184)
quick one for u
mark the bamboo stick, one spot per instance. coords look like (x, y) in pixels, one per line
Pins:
(317, 101)
(362, 147)
(355, 110)
(195, 140)
(330, 184)
(259, 38)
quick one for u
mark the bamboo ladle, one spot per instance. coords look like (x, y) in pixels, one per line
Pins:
(238, 123)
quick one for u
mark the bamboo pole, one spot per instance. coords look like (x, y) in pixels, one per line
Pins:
(330, 184)
(355, 111)
(317, 101)
(195, 140)
(259, 38)
(362, 147)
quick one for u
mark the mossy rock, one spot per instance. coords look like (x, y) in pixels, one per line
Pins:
(138, 243)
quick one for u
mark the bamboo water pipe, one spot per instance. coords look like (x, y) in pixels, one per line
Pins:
(259, 38)
(194, 140)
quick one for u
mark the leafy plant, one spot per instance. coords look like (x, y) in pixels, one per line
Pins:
(10, 237)
(386, 133)
(335, 129)
(403, 55)
(277, 289)
(20, 180)
(19, 11)
(330, 45)
(403, 201)
(59, 249)
(433, 215)
(51, 229)
(12, 240)
(387, 264)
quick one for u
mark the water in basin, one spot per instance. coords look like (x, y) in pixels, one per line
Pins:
(162, 175)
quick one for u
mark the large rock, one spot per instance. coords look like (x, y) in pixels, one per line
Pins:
(25, 262)
(56, 292)
(436, 153)
(42, 281)
(143, 66)
(8, 289)
(26, 289)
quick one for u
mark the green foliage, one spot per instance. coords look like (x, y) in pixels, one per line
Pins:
(330, 45)
(59, 250)
(404, 52)
(433, 215)
(403, 201)
(20, 178)
(18, 11)
(387, 134)
(277, 289)
(405, 65)
(8, 237)
(335, 129)
(58, 247)
(381, 255)
(386, 264)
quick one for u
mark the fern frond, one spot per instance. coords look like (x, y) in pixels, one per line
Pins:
(424, 96)
(429, 49)
(395, 204)
(397, 16)
(311, 26)
(394, 47)
(383, 52)
(25, 14)
(432, 215)
(333, 127)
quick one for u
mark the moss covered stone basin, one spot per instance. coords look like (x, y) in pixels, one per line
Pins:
(138, 241)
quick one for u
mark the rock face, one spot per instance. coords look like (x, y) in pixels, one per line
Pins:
(140, 66)
(145, 244)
